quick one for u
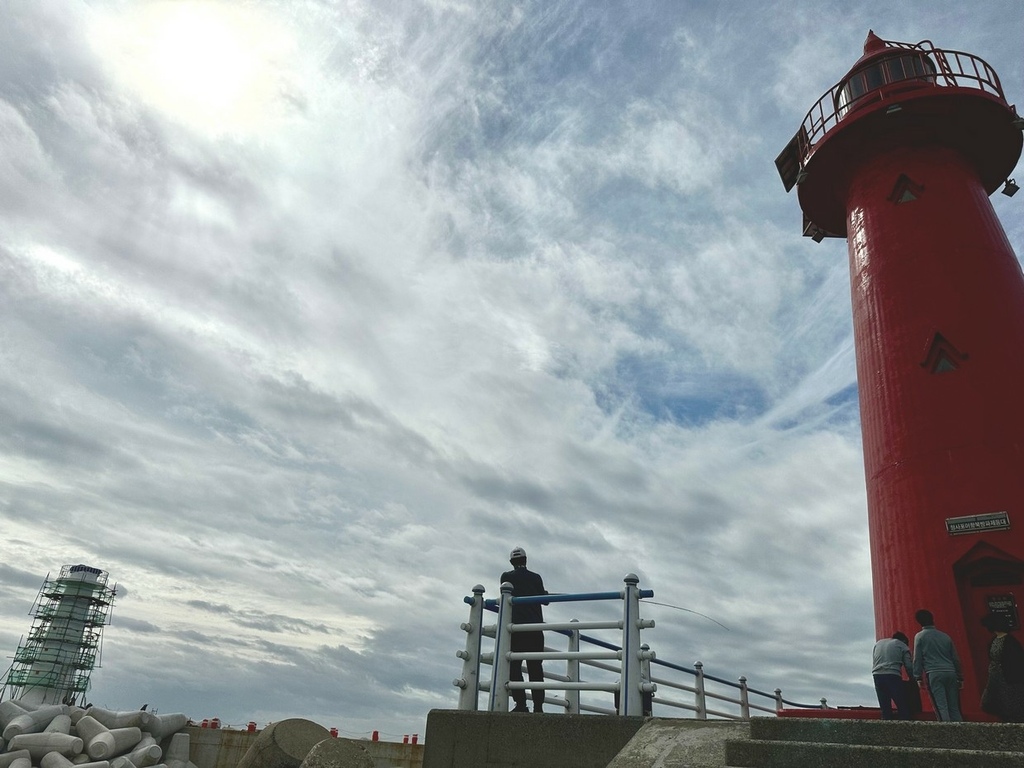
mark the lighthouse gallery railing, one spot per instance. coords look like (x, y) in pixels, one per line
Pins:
(919, 64)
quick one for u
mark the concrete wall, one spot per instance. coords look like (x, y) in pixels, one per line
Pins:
(223, 748)
(217, 747)
(463, 739)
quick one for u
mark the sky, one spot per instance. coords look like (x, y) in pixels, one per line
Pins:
(310, 311)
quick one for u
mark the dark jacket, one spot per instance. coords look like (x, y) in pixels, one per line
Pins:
(525, 583)
(1013, 660)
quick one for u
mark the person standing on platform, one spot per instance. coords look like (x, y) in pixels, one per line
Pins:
(889, 657)
(1004, 692)
(525, 583)
(935, 656)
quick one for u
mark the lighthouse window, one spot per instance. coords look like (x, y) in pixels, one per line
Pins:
(884, 72)
(862, 82)
(908, 67)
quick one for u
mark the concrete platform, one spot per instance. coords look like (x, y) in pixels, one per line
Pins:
(459, 739)
(502, 740)
(669, 743)
(844, 743)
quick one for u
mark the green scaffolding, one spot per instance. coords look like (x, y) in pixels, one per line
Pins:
(64, 644)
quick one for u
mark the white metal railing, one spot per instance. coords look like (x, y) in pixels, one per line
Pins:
(708, 689)
(624, 668)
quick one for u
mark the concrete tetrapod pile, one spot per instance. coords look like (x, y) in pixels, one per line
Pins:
(62, 736)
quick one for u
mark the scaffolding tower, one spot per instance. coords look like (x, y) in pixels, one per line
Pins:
(53, 664)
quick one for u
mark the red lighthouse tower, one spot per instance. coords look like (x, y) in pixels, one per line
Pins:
(900, 158)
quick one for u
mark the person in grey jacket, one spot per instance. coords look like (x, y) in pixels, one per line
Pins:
(935, 655)
(889, 658)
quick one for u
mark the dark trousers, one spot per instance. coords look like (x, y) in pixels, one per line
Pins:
(527, 642)
(890, 688)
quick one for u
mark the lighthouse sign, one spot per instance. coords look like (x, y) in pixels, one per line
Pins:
(994, 521)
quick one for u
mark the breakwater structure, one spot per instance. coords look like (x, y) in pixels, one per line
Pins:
(62, 736)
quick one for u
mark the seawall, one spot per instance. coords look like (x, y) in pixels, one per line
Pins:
(224, 748)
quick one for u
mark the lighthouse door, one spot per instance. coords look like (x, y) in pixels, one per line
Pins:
(990, 582)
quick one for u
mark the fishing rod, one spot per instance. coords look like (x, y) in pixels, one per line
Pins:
(688, 610)
(669, 605)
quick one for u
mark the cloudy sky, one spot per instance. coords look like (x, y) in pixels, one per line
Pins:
(311, 310)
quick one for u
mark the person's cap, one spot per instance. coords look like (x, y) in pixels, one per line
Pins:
(517, 553)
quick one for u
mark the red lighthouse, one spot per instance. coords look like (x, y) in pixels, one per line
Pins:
(900, 158)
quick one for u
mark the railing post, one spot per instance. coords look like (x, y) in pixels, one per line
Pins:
(470, 681)
(646, 685)
(700, 699)
(744, 698)
(779, 706)
(498, 701)
(630, 702)
(572, 671)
